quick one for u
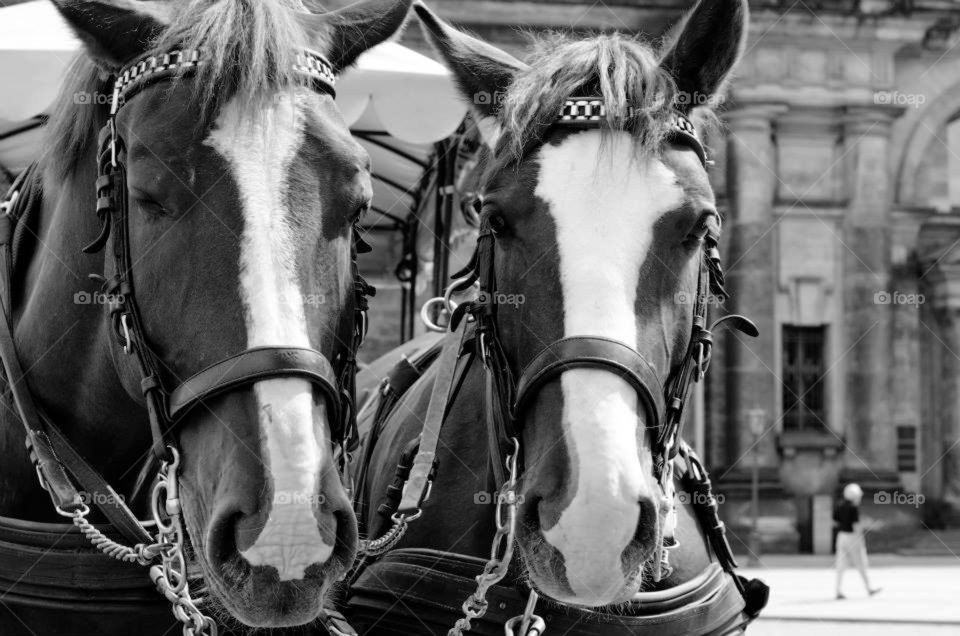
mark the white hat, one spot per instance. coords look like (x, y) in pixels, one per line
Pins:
(852, 492)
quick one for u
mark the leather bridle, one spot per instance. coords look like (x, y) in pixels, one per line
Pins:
(60, 468)
(165, 406)
(663, 403)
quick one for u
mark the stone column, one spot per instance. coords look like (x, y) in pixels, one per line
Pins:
(865, 253)
(939, 255)
(751, 278)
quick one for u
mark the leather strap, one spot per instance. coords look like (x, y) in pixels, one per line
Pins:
(55, 458)
(598, 353)
(251, 366)
(416, 488)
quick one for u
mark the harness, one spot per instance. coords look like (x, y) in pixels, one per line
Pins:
(506, 397)
(59, 466)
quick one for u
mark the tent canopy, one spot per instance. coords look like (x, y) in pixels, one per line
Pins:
(397, 101)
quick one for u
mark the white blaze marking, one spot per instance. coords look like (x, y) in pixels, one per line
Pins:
(259, 147)
(604, 209)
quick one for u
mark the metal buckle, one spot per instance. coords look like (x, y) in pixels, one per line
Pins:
(7, 205)
(125, 325)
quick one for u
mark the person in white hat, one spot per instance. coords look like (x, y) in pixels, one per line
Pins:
(851, 547)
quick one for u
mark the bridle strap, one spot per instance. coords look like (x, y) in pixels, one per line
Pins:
(592, 352)
(252, 366)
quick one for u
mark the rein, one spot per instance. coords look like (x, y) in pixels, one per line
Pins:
(506, 397)
(59, 467)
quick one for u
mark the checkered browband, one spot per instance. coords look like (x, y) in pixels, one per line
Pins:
(590, 112)
(310, 64)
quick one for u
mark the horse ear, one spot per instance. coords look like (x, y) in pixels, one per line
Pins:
(354, 29)
(705, 47)
(115, 32)
(483, 72)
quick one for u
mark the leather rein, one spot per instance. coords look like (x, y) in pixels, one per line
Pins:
(506, 397)
(59, 467)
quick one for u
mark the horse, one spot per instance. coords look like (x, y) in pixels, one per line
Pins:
(548, 417)
(198, 169)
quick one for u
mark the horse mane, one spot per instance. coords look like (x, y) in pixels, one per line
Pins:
(638, 93)
(249, 49)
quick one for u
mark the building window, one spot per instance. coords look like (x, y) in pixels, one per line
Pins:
(803, 371)
(953, 164)
(907, 449)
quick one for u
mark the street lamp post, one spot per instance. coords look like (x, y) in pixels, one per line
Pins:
(756, 419)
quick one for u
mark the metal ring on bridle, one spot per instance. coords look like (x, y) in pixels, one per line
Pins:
(426, 310)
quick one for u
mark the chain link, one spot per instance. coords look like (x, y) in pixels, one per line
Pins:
(501, 550)
(170, 575)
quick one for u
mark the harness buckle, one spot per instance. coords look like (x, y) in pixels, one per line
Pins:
(125, 326)
(7, 204)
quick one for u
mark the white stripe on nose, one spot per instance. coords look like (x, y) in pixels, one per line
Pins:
(259, 147)
(604, 210)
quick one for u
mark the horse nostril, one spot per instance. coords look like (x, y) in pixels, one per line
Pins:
(247, 529)
(646, 532)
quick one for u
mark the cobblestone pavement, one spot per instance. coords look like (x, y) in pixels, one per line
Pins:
(920, 595)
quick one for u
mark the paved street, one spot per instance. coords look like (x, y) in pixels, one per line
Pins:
(921, 595)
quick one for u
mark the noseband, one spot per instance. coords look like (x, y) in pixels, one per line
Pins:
(59, 467)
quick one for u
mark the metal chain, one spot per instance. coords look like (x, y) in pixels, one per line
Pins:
(528, 623)
(376, 547)
(140, 553)
(170, 576)
(501, 551)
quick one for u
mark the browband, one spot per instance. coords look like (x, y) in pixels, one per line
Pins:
(134, 78)
(591, 112)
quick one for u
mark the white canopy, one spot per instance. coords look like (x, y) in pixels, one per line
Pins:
(395, 99)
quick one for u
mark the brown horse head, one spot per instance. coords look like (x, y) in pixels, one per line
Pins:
(600, 232)
(244, 187)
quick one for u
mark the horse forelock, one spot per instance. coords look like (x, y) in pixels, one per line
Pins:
(249, 51)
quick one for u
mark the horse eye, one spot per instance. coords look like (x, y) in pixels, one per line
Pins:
(150, 206)
(497, 223)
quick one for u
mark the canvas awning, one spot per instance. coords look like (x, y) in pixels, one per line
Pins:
(397, 101)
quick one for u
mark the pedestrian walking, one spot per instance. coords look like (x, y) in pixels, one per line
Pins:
(851, 546)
